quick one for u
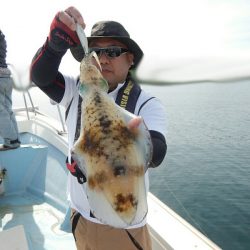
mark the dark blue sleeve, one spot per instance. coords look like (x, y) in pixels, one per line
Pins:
(159, 148)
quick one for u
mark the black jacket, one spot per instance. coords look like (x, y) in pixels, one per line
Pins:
(3, 50)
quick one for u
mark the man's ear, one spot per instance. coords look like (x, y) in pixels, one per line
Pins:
(131, 59)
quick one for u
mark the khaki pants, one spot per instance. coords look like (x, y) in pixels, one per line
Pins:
(94, 236)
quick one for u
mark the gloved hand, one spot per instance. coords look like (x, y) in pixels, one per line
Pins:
(61, 37)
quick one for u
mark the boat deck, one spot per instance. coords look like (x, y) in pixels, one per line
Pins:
(41, 222)
(33, 199)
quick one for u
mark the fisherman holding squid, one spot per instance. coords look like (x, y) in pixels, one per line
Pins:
(110, 149)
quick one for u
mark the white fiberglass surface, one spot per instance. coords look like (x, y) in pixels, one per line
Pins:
(40, 220)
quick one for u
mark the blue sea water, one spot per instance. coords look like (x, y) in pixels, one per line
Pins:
(205, 176)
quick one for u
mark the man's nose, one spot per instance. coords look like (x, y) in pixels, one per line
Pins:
(103, 57)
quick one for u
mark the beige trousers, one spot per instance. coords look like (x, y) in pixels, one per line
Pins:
(94, 236)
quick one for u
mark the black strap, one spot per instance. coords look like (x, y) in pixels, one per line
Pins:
(128, 95)
(135, 242)
(79, 117)
(144, 104)
(67, 110)
(75, 171)
(75, 221)
(91, 214)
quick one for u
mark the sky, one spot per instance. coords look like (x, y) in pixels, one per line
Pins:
(170, 32)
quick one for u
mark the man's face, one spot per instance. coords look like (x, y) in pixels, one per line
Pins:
(114, 69)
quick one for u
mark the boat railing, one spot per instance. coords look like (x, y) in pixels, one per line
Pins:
(29, 108)
(22, 82)
(32, 108)
(64, 131)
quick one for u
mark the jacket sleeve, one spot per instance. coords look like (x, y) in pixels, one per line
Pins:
(159, 148)
(44, 72)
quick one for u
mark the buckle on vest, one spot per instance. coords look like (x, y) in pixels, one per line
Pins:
(75, 171)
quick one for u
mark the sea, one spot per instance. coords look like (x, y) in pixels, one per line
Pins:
(205, 176)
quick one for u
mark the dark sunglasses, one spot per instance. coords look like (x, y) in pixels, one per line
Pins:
(111, 52)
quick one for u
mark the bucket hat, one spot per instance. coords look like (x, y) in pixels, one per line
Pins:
(114, 30)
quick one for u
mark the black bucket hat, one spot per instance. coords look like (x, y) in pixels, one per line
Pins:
(110, 29)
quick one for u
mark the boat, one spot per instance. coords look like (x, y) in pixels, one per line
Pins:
(34, 210)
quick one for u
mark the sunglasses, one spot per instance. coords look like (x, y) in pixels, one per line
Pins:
(111, 52)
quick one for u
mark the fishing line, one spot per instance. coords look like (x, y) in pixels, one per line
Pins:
(185, 210)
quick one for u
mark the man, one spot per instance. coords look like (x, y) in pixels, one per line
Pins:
(8, 124)
(118, 54)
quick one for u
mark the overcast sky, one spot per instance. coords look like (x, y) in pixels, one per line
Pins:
(166, 28)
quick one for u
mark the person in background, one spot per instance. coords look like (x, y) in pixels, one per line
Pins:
(118, 55)
(8, 124)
